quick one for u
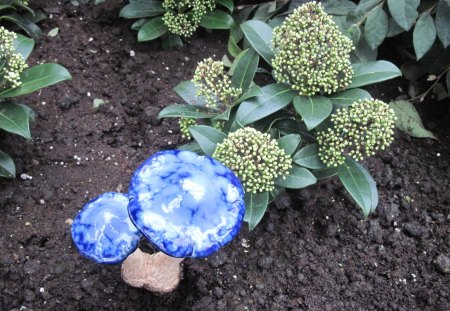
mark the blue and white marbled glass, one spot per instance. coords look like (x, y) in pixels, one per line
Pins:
(103, 231)
(186, 205)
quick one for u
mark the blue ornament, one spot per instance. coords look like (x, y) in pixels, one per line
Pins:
(186, 205)
(103, 231)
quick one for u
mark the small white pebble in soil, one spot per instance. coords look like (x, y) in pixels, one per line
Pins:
(438, 154)
(167, 68)
(89, 94)
(245, 243)
(26, 177)
(169, 143)
(42, 290)
(132, 53)
(91, 39)
(395, 223)
(69, 221)
(397, 229)
(235, 277)
(18, 208)
(170, 131)
(43, 103)
(187, 58)
(400, 89)
(42, 201)
(27, 223)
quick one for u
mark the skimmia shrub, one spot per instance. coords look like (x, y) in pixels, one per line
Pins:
(301, 128)
(16, 79)
(172, 20)
(18, 13)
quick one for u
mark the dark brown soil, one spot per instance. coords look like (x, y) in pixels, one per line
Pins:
(313, 249)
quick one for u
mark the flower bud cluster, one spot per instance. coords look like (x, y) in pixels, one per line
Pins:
(11, 63)
(214, 84)
(357, 132)
(183, 17)
(254, 157)
(185, 124)
(311, 53)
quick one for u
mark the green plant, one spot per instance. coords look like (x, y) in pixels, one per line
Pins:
(300, 129)
(16, 79)
(20, 14)
(173, 20)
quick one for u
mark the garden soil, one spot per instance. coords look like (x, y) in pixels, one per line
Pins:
(313, 249)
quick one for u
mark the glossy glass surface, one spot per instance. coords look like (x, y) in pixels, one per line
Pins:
(187, 205)
(103, 231)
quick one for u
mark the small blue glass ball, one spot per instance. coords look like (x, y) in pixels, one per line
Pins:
(187, 205)
(102, 231)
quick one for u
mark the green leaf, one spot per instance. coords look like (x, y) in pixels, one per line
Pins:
(36, 78)
(186, 111)
(255, 207)
(291, 126)
(365, 6)
(404, 12)
(313, 109)
(299, 177)
(7, 167)
(308, 157)
(207, 137)
(424, 35)
(169, 40)
(347, 98)
(289, 143)
(152, 29)
(217, 19)
(236, 35)
(408, 120)
(23, 45)
(275, 97)
(393, 28)
(14, 118)
(361, 186)
(188, 92)
(194, 147)
(253, 91)
(325, 172)
(265, 11)
(259, 35)
(227, 3)
(373, 72)
(443, 22)
(363, 52)
(138, 24)
(245, 70)
(376, 27)
(23, 22)
(142, 8)
(338, 7)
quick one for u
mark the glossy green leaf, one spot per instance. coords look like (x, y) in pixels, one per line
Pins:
(443, 22)
(152, 29)
(7, 167)
(265, 11)
(227, 3)
(361, 186)
(253, 91)
(365, 6)
(393, 28)
(363, 52)
(290, 126)
(404, 12)
(36, 78)
(348, 97)
(313, 109)
(207, 137)
(142, 8)
(408, 119)
(376, 27)
(169, 40)
(255, 208)
(424, 35)
(23, 22)
(290, 143)
(338, 7)
(138, 24)
(373, 72)
(274, 98)
(325, 173)
(14, 118)
(299, 177)
(23, 45)
(188, 92)
(217, 19)
(236, 35)
(194, 147)
(186, 111)
(308, 157)
(245, 70)
(259, 35)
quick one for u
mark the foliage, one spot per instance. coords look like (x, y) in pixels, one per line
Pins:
(421, 30)
(295, 127)
(20, 14)
(408, 119)
(172, 20)
(16, 79)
